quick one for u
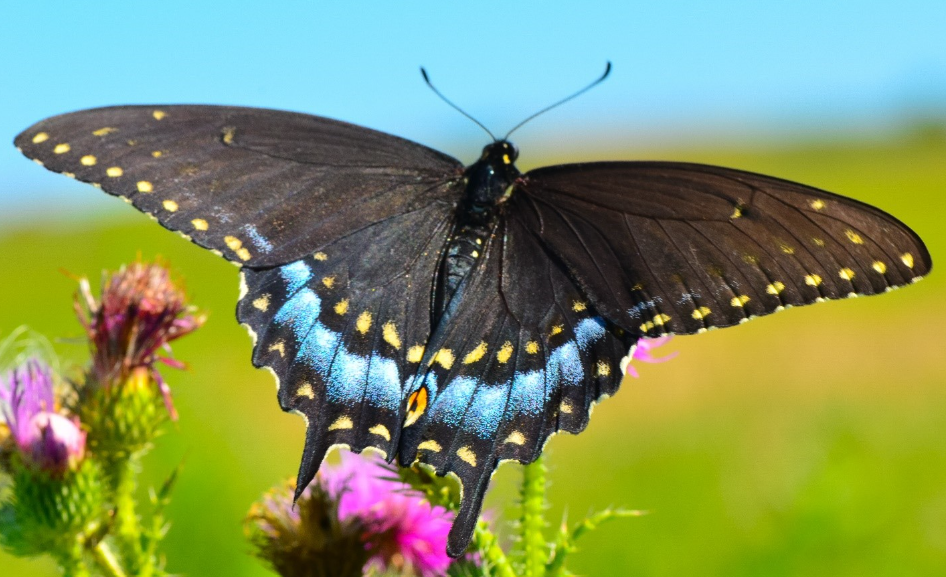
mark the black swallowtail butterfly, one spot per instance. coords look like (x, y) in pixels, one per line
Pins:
(460, 316)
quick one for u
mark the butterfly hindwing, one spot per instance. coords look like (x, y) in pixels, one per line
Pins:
(665, 247)
(341, 327)
(262, 187)
(509, 370)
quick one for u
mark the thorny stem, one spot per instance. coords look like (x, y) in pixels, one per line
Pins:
(106, 561)
(72, 563)
(127, 524)
(493, 556)
(533, 551)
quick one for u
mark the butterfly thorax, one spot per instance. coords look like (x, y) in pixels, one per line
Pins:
(488, 182)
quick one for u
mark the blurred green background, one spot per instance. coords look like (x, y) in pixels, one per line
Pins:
(807, 443)
(810, 442)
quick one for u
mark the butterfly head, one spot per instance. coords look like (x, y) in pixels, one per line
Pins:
(489, 179)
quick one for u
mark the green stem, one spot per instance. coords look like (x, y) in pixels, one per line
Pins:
(493, 556)
(533, 551)
(106, 561)
(72, 563)
(127, 528)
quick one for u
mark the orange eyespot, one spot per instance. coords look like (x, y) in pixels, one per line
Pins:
(416, 405)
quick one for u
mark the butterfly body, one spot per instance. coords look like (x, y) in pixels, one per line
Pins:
(459, 316)
(486, 187)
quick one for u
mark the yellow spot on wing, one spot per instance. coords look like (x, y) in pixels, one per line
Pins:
(363, 323)
(532, 347)
(812, 280)
(444, 357)
(145, 186)
(305, 390)
(556, 330)
(340, 423)
(504, 353)
(328, 281)
(341, 307)
(228, 133)
(415, 354)
(816, 204)
(846, 273)
(103, 131)
(243, 254)
(579, 306)
(170, 206)
(199, 224)
(565, 407)
(879, 266)
(907, 259)
(157, 154)
(603, 369)
(658, 321)
(739, 301)
(40, 137)
(88, 160)
(389, 332)
(233, 242)
(775, 288)
(381, 431)
(467, 455)
(262, 303)
(476, 354)
(516, 438)
(159, 114)
(701, 313)
(853, 237)
(114, 171)
(320, 256)
(279, 347)
(736, 213)
(817, 241)
(431, 445)
(787, 249)
(62, 148)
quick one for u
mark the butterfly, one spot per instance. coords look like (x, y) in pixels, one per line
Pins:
(461, 315)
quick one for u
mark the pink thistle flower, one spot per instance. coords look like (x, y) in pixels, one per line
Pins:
(641, 351)
(140, 312)
(44, 437)
(402, 530)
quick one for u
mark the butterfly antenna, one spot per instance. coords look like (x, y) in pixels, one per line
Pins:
(447, 100)
(607, 70)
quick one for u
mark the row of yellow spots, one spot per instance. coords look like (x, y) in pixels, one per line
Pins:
(236, 245)
(465, 453)
(344, 423)
(658, 321)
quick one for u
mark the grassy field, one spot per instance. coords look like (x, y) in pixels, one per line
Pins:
(811, 442)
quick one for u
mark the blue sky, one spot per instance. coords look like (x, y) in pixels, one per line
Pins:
(680, 68)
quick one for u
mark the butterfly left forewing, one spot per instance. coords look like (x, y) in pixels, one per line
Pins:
(261, 187)
(681, 248)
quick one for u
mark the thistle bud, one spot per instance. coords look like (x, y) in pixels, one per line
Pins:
(44, 438)
(56, 492)
(355, 517)
(140, 312)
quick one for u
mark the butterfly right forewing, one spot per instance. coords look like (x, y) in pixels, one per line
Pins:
(665, 247)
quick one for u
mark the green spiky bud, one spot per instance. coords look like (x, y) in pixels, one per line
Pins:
(47, 512)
